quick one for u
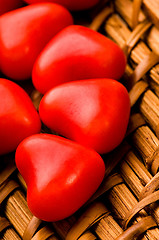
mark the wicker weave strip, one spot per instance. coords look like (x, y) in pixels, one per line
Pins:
(135, 36)
(7, 188)
(151, 8)
(3, 224)
(137, 90)
(137, 229)
(122, 200)
(150, 111)
(92, 215)
(43, 234)
(136, 120)
(125, 8)
(143, 67)
(155, 163)
(146, 144)
(141, 205)
(10, 234)
(7, 171)
(31, 228)
(101, 17)
(107, 184)
(137, 176)
(150, 187)
(136, 11)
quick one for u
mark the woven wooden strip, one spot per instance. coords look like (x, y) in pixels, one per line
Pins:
(135, 12)
(107, 184)
(113, 158)
(136, 120)
(147, 145)
(155, 163)
(150, 187)
(92, 215)
(6, 230)
(3, 224)
(134, 173)
(88, 236)
(107, 228)
(151, 8)
(123, 201)
(137, 176)
(101, 17)
(31, 228)
(7, 188)
(137, 229)
(149, 109)
(117, 29)
(137, 90)
(43, 234)
(125, 8)
(143, 67)
(135, 36)
(62, 227)
(141, 205)
(10, 234)
(7, 170)
(17, 212)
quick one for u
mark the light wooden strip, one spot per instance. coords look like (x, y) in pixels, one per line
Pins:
(136, 11)
(136, 91)
(99, 19)
(151, 8)
(107, 228)
(152, 198)
(31, 228)
(145, 141)
(137, 229)
(150, 187)
(137, 176)
(150, 110)
(92, 215)
(117, 29)
(125, 8)
(10, 234)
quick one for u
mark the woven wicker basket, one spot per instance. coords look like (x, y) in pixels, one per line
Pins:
(126, 204)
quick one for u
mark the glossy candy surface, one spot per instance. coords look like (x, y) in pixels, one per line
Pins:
(94, 113)
(23, 34)
(70, 4)
(77, 53)
(60, 175)
(18, 117)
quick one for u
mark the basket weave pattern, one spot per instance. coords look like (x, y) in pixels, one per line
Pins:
(126, 204)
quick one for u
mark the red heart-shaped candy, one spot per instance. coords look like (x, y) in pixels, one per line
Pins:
(94, 113)
(18, 116)
(61, 175)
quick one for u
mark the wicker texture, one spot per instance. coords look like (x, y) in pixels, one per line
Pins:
(126, 204)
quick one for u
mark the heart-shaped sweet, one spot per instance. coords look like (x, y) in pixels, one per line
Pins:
(61, 175)
(23, 34)
(94, 113)
(18, 116)
(71, 5)
(77, 53)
